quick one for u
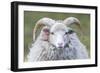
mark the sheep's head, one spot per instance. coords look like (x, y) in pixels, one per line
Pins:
(56, 32)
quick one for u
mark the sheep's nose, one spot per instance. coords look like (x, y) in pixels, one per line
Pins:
(60, 44)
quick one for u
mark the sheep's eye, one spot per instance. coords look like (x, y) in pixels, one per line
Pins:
(70, 31)
(52, 33)
(66, 33)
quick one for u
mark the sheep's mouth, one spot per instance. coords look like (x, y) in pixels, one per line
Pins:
(60, 47)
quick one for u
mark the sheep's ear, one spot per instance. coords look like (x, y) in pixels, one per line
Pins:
(45, 34)
(43, 22)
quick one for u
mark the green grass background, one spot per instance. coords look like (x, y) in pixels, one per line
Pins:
(31, 17)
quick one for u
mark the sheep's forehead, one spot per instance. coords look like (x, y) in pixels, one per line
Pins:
(58, 27)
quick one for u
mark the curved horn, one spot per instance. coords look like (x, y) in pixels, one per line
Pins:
(72, 20)
(43, 22)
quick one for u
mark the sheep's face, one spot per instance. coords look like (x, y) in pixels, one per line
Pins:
(59, 35)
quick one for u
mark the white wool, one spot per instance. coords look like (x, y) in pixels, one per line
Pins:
(46, 50)
(42, 51)
(36, 50)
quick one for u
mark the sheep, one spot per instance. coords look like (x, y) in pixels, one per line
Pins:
(57, 41)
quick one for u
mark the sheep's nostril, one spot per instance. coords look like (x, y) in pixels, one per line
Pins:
(60, 44)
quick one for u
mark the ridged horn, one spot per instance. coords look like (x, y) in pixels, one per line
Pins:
(72, 20)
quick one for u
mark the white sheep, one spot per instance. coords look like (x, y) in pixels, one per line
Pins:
(57, 41)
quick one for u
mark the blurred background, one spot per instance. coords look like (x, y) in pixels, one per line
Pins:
(31, 17)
